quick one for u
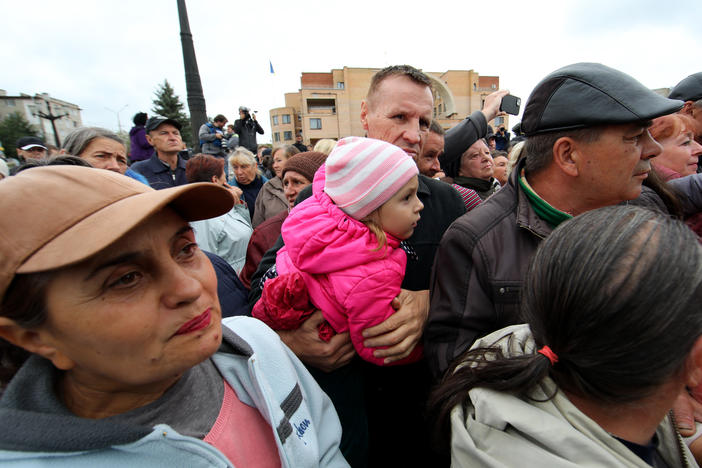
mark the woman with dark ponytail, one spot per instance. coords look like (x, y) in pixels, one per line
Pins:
(612, 336)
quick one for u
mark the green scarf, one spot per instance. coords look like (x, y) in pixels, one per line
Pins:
(541, 207)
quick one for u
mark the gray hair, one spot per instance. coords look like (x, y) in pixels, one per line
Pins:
(78, 139)
(539, 148)
(243, 157)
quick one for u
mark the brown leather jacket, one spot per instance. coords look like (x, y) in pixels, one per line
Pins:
(478, 272)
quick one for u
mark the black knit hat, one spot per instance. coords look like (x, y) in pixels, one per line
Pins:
(305, 163)
(586, 94)
(689, 89)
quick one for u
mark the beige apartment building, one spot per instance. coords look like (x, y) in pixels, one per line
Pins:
(31, 108)
(328, 105)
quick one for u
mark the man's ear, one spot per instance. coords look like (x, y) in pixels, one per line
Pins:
(688, 107)
(148, 138)
(364, 115)
(693, 365)
(34, 341)
(567, 156)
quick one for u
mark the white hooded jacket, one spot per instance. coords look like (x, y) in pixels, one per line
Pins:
(503, 430)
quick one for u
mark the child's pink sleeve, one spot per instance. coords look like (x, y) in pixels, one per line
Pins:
(368, 304)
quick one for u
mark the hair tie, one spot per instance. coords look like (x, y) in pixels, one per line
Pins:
(546, 351)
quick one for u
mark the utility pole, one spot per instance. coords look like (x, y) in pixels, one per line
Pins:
(119, 121)
(193, 85)
(51, 118)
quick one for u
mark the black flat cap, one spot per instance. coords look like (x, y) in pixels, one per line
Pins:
(586, 94)
(689, 89)
(154, 122)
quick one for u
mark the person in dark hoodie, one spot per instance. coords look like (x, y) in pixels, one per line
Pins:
(139, 147)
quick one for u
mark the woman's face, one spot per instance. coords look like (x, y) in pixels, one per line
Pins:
(244, 173)
(106, 153)
(278, 162)
(139, 313)
(293, 183)
(680, 153)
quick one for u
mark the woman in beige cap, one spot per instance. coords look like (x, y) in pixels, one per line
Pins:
(111, 325)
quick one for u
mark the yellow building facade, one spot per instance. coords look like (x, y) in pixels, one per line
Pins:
(328, 105)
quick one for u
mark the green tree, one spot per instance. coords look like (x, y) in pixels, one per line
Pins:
(168, 104)
(13, 127)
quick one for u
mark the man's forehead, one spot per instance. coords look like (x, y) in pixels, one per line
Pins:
(398, 85)
(434, 139)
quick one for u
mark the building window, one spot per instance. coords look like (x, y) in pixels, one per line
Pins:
(494, 86)
(340, 84)
(316, 124)
(276, 136)
(275, 120)
(287, 135)
(499, 121)
(286, 118)
(10, 102)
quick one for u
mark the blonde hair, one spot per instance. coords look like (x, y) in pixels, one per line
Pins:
(514, 157)
(325, 145)
(376, 229)
(243, 157)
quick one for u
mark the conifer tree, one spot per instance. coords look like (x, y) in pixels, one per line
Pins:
(13, 127)
(168, 104)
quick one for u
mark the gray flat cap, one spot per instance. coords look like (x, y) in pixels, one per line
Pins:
(586, 94)
(689, 89)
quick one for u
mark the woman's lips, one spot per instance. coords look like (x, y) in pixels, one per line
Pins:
(198, 323)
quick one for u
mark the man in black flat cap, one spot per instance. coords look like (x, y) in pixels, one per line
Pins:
(690, 91)
(587, 147)
(165, 168)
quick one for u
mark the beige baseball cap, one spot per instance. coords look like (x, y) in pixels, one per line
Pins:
(54, 216)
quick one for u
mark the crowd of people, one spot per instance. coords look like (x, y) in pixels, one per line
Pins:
(413, 297)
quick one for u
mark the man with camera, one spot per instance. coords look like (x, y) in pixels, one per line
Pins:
(246, 127)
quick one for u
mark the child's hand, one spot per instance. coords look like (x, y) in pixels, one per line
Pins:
(311, 350)
(402, 330)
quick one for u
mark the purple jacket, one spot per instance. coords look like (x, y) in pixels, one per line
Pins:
(140, 149)
(347, 278)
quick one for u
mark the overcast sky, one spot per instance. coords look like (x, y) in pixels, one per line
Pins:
(106, 55)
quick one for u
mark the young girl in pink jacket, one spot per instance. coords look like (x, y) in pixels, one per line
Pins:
(342, 251)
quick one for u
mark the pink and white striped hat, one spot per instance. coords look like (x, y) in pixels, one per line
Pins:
(363, 173)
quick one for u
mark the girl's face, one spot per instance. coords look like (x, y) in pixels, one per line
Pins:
(278, 162)
(399, 215)
(680, 153)
(138, 313)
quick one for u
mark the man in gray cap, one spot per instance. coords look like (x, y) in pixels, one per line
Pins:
(165, 168)
(587, 146)
(690, 91)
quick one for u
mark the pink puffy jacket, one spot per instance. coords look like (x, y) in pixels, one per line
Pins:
(350, 281)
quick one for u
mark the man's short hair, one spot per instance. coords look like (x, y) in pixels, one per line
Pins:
(409, 71)
(435, 127)
(219, 118)
(539, 148)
